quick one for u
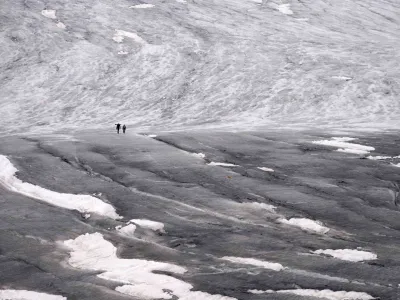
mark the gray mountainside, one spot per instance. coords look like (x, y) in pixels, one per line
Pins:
(179, 64)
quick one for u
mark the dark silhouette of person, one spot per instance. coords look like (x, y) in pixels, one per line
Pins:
(118, 127)
(124, 128)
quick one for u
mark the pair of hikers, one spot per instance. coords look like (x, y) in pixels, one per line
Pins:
(119, 127)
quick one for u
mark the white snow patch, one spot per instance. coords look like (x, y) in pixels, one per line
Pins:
(323, 294)
(128, 230)
(261, 292)
(120, 35)
(222, 164)
(49, 13)
(396, 165)
(352, 151)
(283, 8)
(254, 262)
(153, 225)
(181, 1)
(199, 155)
(82, 203)
(144, 5)
(266, 169)
(152, 135)
(122, 53)
(342, 78)
(379, 157)
(348, 254)
(344, 146)
(93, 252)
(258, 206)
(27, 295)
(86, 216)
(306, 224)
(61, 25)
(258, 1)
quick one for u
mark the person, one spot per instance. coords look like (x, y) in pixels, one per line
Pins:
(124, 128)
(118, 127)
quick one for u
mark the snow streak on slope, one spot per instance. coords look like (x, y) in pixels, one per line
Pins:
(221, 63)
(82, 203)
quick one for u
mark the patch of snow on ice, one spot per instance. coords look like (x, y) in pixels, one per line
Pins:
(266, 169)
(378, 157)
(283, 8)
(120, 35)
(348, 254)
(128, 230)
(82, 203)
(344, 145)
(93, 252)
(181, 1)
(342, 78)
(152, 135)
(27, 295)
(254, 262)
(352, 151)
(396, 165)
(258, 1)
(144, 5)
(306, 224)
(199, 155)
(49, 13)
(222, 164)
(327, 294)
(61, 25)
(153, 225)
(122, 53)
(258, 206)
(261, 292)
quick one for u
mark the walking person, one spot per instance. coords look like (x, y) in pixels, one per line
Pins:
(118, 127)
(124, 128)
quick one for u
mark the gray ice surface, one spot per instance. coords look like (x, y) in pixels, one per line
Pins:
(159, 179)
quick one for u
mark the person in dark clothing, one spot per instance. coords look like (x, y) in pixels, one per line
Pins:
(124, 128)
(118, 127)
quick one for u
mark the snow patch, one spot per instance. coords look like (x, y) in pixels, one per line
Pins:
(49, 13)
(82, 203)
(120, 35)
(122, 53)
(306, 224)
(144, 5)
(128, 230)
(283, 8)
(254, 262)
(348, 254)
(222, 164)
(93, 252)
(266, 169)
(342, 78)
(27, 295)
(344, 146)
(396, 165)
(258, 206)
(199, 155)
(352, 151)
(323, 294)
(61, 25)
(153, 225)
(181, 1)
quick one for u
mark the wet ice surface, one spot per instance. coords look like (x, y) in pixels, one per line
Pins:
(222, 225)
